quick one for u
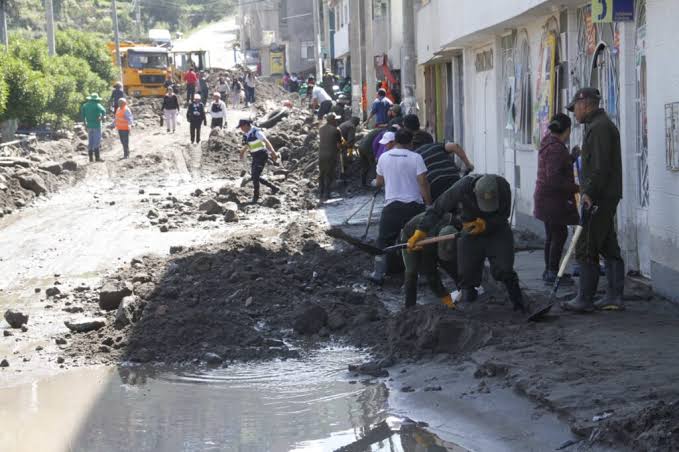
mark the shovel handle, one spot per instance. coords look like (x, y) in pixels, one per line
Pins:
(569, 252)
(431, 241)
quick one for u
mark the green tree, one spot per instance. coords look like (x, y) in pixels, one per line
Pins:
(89, 47)
(29, 92)
(4, 90)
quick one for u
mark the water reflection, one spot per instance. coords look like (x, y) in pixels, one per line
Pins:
(277, 406)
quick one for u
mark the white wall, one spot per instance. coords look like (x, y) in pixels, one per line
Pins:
(663, 87)
(426, 31)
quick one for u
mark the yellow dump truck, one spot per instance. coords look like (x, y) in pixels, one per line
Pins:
(145, 68)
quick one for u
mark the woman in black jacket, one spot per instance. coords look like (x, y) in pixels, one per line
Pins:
(195, 115)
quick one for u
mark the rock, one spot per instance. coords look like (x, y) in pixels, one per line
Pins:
(311, 320)
(153, 213)
(85, 324)
(51, 167)
(141, 191)
(113, 293)
(60, 341)
(207, 218)
(336, 321)
(60, 360)
(52, 292)
(15, 161)
(271, 201)
(33, 182)
(16, 319)
(163, 228)
(24, 329)
(141, 278)
(211, 207)
(128, 311)
(70, 165)
(37, 290)
(230, 212)
(432, 388)
(176, 249)
(7, 333)
(212, 359)
(372, 368)
(4, 363)
(407, 389)
(73, 309)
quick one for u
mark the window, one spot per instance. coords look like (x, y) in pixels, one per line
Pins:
(307, 50)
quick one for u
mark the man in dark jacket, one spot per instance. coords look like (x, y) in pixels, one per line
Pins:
(420, 137)
(329, 140)
(485, 203)
(195, 115)
(601, 186)
(116, 95)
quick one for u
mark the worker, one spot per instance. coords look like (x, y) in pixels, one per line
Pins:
(191, 80)
(348, 130)
(123, 122)
(380, 109)
(330, 139)
(403, 175)
(236, 90)
(442, 170)
(217, 111)
(195, 116)
(222, 87)
(203, 86)
(427, 260)
(116, 95)
(395, 116)
(320, 100)
(420, 137)
(484, 203)
(249, 84)
(554, 197)
(600, 193)
(170, 110)
(255, 142)
(93, 113)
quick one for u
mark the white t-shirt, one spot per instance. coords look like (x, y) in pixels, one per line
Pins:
(320, 94)
(400, 168)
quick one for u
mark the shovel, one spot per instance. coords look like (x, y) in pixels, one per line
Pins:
(339, 234)
(544, 309)
(370, 215)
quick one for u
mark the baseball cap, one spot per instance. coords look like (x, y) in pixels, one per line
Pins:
(486, 192)
(388, 137)
(582, 94)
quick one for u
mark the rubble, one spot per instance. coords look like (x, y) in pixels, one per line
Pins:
(85, 324)
(15, 319)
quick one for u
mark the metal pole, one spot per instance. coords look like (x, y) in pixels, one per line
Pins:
(370, 79)
(116, 34)
(138, 17)
(355, 55)
(51, 41)
(409, 66)
(3, 25)
(317, 38)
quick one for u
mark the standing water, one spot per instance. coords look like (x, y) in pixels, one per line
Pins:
(301, 405)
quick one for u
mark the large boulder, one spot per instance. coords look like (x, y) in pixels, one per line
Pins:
(113, 293)
(211, 207)
(129, 311)
(310, 320)
(85, 324)
(33, 182)
(70, 165)
(16, 319)
(15, 161)
(51, 167)
(230, 212)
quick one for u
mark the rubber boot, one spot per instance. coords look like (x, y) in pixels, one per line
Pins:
(615, 275)
(97, 155)
(410, 287)
(380, 269)
(91, 155)
(589, 279)
(515, 294)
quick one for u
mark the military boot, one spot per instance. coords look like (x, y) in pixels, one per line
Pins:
(615, 285)
(515, 294)
(589, 279)
(410, 287)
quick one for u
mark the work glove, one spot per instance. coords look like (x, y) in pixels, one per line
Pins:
(416, 237)
(447, 300)
(476, 227)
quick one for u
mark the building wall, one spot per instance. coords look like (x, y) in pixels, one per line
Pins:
(297, 26)
(663, 88)
(341, 29)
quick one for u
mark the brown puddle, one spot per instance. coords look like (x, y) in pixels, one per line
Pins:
(275, 406)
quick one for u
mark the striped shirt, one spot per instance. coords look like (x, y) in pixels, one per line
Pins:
(442, 172)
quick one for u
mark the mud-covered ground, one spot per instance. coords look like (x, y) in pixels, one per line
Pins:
(266, 282)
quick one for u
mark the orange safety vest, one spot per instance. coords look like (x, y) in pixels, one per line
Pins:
(121, 120)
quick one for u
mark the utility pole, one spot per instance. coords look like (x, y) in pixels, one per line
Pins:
(51, 41)
(116, 34)
(409, 65)
(3, 25)
(355, 55)
(370, 79)
(138, 17)
(317, 39)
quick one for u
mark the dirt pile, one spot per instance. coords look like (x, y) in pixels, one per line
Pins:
(246, 299)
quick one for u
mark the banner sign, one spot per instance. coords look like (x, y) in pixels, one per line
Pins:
(607, 11)
(623, 10)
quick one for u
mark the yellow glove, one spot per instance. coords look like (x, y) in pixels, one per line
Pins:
(447, 300)
(475, 227)
(416, 237)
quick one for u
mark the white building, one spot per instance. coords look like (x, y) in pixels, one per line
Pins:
(492, 72)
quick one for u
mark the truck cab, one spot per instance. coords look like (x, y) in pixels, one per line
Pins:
(144, 69)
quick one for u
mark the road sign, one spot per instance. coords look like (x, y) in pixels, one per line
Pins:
(602, 11)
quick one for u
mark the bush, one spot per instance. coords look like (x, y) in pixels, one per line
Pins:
(29, 92)
(89, 47)
(4, 91)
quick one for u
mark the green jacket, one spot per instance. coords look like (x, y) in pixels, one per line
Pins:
(93, 113)
(601, 159)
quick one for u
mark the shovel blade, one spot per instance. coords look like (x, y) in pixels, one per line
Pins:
(540, 312)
